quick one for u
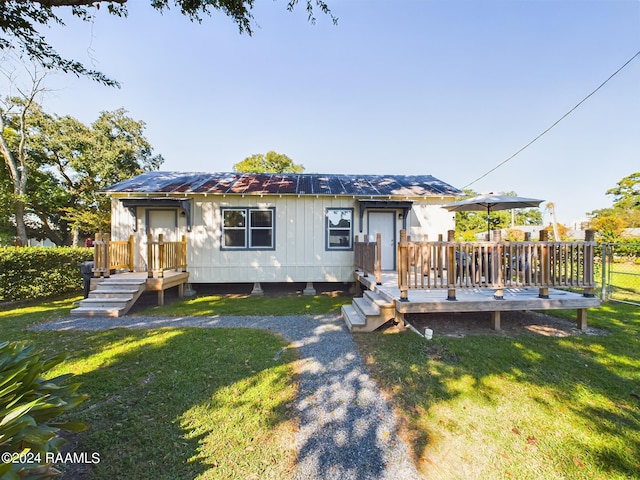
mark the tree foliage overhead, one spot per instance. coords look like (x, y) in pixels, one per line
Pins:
(271, 162)
(22, 20)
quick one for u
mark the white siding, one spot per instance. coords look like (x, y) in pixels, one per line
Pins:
(430, 220)
(300, 253)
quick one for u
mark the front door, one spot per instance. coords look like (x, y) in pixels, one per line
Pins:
(385, 224)
(163, 222)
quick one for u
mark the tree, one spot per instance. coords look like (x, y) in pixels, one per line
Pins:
(626, 207)
(83, 160)
(272, 162)
(21, 19)
(609, 227)
(14, 126)
(627, 192)
(70, 162)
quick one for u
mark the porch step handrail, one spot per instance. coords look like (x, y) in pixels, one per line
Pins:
(112, 255)
(462, 265)
(367, 256)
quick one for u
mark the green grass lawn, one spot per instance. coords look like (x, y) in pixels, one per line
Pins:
(177, 403)
(248, 305)
(213, 403)
(523, 407)
(624, 281)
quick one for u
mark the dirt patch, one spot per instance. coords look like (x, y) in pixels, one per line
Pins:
(512, 324)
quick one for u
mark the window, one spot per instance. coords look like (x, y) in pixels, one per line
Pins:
(244, 228)
(339, 228)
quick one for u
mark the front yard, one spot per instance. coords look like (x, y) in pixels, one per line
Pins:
(177, 403)
(529, 406)
(216, 403)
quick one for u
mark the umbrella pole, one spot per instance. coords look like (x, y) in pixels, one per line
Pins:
(488, 223)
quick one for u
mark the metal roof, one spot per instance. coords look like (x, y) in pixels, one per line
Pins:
(287, 183)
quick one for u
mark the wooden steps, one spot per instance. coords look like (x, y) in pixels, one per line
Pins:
(368, 312)
(113, 297)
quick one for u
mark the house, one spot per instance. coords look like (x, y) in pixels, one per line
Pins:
(257, 228)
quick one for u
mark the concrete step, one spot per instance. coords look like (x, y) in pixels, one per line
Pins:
(92, 312)
(114, 302)
(352, 318)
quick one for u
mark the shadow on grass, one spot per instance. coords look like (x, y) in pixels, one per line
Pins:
(580, 394)
(244, 305)
(181, 402)
(164, 403)
(232, 412)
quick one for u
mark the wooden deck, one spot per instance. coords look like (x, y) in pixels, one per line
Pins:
(476, 299)
(169, 279)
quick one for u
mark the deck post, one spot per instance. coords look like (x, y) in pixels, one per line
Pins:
(589, 236)
(183, 261)
(97, 255)
(160, 255)
(150, 261)
(161, 297)
(357, 285)
(403, 266)
(107, 257)
(543, 292)
(581, 319)
(496, 268)
(495, 320)
(131, 253)
(439, 254)
(378, 261)
(451, 265)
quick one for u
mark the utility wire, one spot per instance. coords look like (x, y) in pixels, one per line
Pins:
(555, 123)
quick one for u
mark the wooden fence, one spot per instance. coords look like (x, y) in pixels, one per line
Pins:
(367, 257)
(457, 265)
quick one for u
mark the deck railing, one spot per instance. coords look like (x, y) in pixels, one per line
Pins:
(367, 257)
(109, 255)
(458, 265)
(163, 256)
(112, 255)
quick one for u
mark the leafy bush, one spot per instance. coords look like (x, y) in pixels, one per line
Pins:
(39, 272)
(624, 251)
(28, 404)
(627, 249)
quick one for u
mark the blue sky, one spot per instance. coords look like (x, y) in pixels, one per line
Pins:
(442, 87)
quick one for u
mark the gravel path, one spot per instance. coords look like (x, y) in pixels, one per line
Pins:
(347, 429)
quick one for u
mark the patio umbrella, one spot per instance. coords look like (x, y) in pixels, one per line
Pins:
(490, 202)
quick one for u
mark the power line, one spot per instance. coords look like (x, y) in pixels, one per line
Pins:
(554, 123)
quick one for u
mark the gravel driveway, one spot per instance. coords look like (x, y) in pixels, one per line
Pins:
(347, 429)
